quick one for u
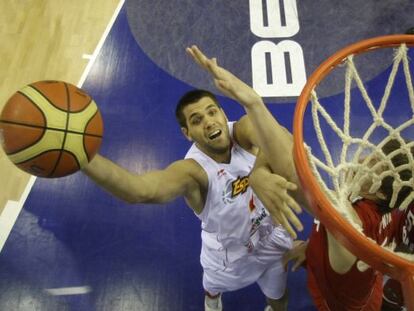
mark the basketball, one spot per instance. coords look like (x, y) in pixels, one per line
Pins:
(50, 128)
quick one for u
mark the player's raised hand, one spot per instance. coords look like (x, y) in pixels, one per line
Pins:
(273, 191)
(224, 80)
(297, 254)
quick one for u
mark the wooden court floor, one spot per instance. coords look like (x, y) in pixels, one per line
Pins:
(44, 40)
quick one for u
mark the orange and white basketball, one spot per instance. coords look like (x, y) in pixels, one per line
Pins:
(50, 128)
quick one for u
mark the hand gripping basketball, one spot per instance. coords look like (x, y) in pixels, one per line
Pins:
(50, 128)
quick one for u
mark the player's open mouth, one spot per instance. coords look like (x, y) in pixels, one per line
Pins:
(214, 135)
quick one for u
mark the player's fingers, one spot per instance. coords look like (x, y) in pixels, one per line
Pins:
(283, 197)
(297, 264)
(291, 217)
(274, 204)
(197, 52)
(214, 69)
(191, 53)
(283, 182)
(282, 214)
(291, 186)
(298, 243)
(285, 224)
(209, 64)
(203, 60)
(292, 203)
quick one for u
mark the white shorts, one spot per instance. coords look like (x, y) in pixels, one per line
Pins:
(262, 266)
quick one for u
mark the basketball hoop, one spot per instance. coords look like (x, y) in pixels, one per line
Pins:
(324, 171)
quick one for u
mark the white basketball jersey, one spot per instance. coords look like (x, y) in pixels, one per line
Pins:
(233, 218)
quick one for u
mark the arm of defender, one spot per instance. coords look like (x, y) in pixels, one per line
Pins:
(157, 186)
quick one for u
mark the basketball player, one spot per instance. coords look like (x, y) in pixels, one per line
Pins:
(241, 244)
(336, 279)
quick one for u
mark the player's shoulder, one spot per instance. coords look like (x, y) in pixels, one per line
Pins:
(187, 165)
(190, 168)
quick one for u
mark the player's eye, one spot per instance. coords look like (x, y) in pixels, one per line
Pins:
(195, 120)
(212, 112)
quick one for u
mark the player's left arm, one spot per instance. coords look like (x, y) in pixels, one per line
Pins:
(272, 138)
(259, 128)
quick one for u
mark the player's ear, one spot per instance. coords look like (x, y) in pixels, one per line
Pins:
(184, 130)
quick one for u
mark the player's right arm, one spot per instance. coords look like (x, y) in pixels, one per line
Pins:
(181, 178)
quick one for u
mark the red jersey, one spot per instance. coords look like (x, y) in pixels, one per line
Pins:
(392, 294)
(354, 290)
(405, 235)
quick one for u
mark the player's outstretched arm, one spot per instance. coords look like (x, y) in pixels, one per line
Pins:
(158, 186)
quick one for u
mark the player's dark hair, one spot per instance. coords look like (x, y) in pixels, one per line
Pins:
(387, 183)
(189, 98)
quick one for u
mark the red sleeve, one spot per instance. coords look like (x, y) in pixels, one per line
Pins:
(354, 290)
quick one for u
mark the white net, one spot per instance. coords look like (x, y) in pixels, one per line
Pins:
(362, 159)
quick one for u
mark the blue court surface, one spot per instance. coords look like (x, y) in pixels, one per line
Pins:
(75, 247)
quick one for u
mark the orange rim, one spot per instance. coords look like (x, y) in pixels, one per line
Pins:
(369, 252)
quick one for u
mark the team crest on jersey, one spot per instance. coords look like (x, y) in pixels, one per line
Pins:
(234, 188)
(240, 185)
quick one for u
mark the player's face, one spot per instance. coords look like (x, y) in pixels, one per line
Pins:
(207, 127)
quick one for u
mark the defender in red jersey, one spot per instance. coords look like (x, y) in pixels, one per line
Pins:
(337, 280)
(344, 286)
